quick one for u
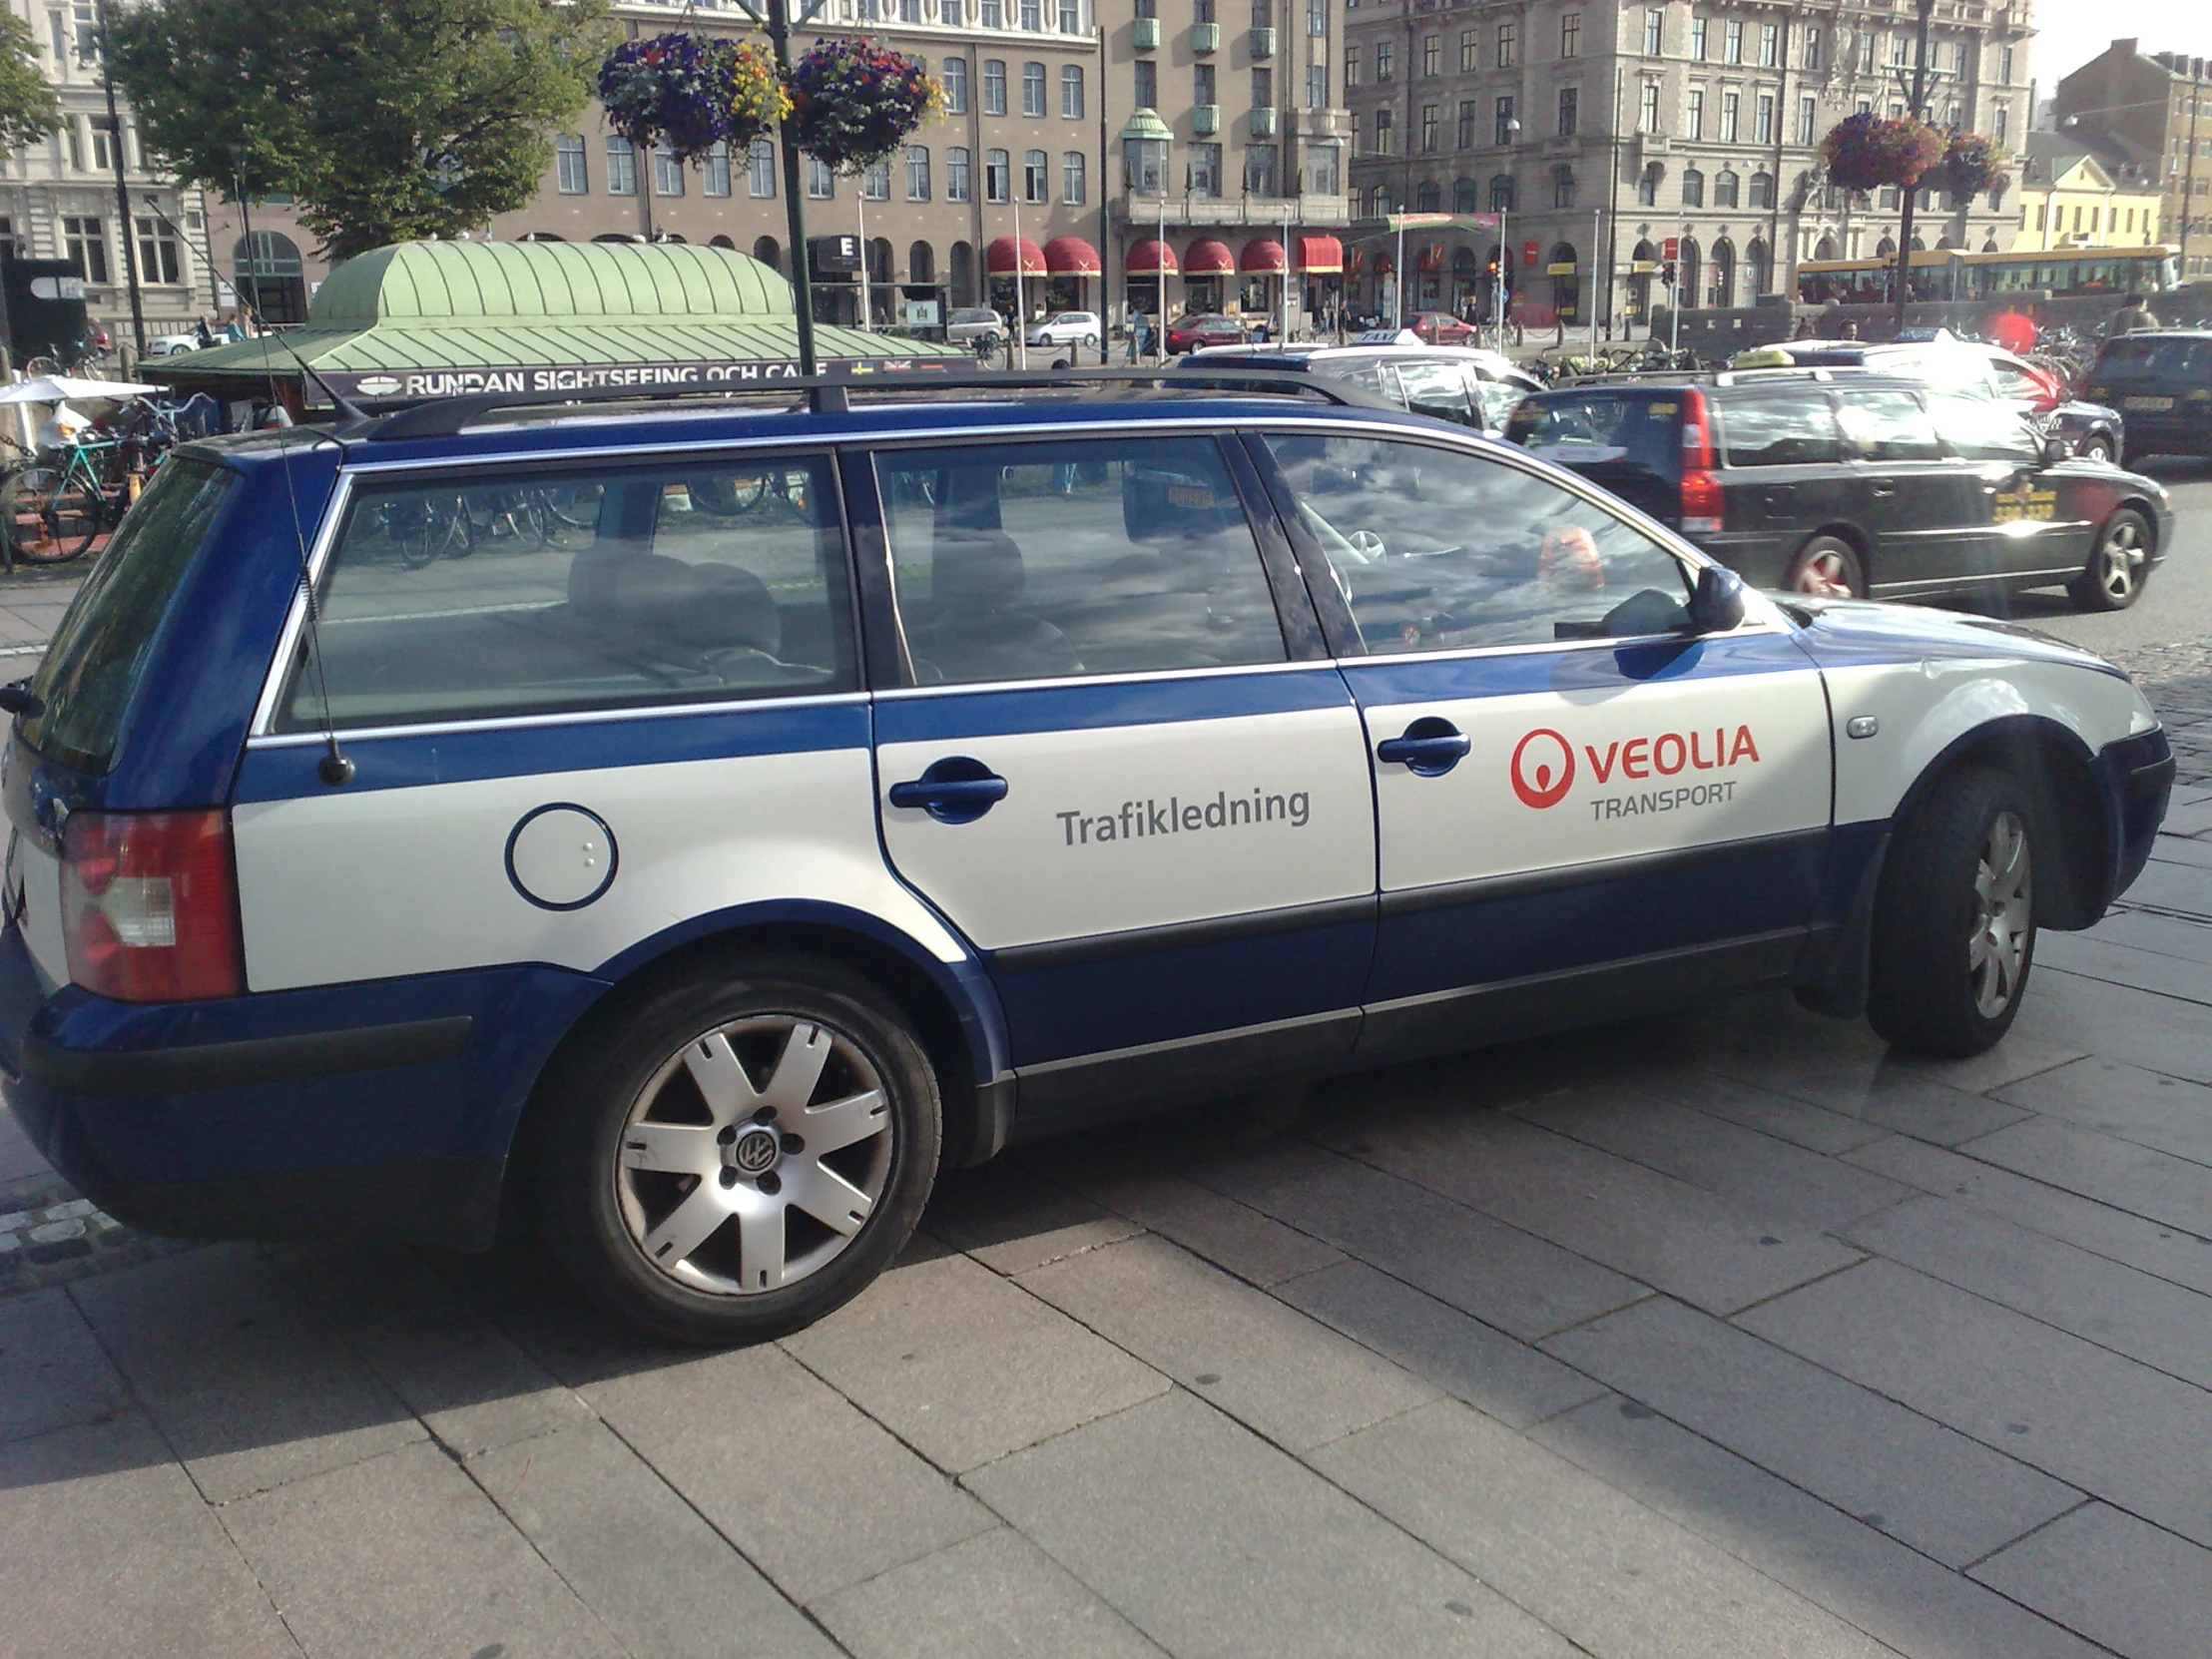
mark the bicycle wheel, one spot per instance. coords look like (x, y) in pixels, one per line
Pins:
(431, 530)
(52, 515)
(573, 506)
(725, 496)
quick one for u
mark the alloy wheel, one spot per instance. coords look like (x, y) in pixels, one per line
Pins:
(1996, 953)
(755, 1155)
(1825, 574)
(2120, 557)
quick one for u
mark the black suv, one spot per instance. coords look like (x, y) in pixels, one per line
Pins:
(1460, 384)
(2161, 381)
(1830, 482)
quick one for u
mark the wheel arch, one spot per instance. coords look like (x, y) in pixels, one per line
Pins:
(1841, 530)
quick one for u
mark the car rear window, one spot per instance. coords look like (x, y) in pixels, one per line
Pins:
(1779, 429)
(1633, 430)
(101, 649)
(2185, 358)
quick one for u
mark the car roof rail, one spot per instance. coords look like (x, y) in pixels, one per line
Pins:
(834, 393)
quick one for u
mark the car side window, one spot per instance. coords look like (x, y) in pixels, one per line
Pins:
(1499, 398)
(1439, 389)
(539, 591)
(1435, 548)
(1980, 431)
(1888, 426)
(1030, 560)
(1779, 429)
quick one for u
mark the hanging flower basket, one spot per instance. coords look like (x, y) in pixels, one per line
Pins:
(1971, 164)
(689, 93)
(1867, 152)
(854, 104)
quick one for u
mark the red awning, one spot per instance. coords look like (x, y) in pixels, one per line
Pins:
(1430, 258)
(999, 257)
(1071, 256)
(1262, 255)
(1147, 257)
(1321, 255)
(1208, 258)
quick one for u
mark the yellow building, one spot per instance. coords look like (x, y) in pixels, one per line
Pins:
(2077, 194)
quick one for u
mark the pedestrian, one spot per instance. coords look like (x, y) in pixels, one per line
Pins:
(1803, 329)
(203, 331)
(2136, 315)
(1850, 332)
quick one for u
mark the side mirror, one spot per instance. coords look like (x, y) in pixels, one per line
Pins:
(1718, 604)
(2055, 448)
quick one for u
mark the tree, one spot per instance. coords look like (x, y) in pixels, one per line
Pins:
(387, 120)
(28, 112)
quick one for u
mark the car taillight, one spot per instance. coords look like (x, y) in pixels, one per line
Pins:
(150, 910)
(1701, 503)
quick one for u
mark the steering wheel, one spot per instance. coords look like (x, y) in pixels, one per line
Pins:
(1368, 544)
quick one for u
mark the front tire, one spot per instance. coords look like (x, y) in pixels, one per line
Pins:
(1827, 567)
(744, 1151)
(2113, 578)
(1955, 920)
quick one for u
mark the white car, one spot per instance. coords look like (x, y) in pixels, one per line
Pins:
(1066, 328)
(169, 346)
(776, 806)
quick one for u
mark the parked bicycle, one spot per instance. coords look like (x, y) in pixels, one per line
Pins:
(56, 508)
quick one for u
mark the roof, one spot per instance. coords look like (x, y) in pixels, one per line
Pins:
(2050, 155)
(430, 319)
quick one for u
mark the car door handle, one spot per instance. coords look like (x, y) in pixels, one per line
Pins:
(1429, 748)
(1885, 489)
(955, 789)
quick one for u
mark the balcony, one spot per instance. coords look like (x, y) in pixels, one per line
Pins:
(1143, 213)
(1205, 118)
(1144, 34)
(1206, 37)
(1263, 43)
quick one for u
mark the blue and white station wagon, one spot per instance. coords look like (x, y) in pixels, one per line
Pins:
(697, 824)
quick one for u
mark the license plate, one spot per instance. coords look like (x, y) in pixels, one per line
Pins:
(2147, 402)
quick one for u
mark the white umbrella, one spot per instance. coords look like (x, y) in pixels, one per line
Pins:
(54, 388)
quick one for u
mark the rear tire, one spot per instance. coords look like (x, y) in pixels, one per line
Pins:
(676, 1181)
(2119, 565)
(1955, 920)
(2097, 449)
(1827, 567)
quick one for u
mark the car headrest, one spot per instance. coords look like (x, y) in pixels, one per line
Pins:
(976, 569)
(664, 601)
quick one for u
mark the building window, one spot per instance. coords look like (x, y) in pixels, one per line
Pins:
(1731, 40)
(1508, 45)
(1647, 186)
(918, 173)
(1352, 66)
(158, 255)
(1725, 188)
(1732, 104)
(1202, 84)
(1763, 119)
(73, 138)
(1262, 88)
(994, 87)
(85, 247)
(1317, 18)
(103, 144)
(1032, 88)
(1384, 135)
(998, 181)
(2004, 66)
(1770, 45)
(876, 180)
(1317, 86)
(1071, 17)
(1036, 182)
(1147, 83)
(1260, 178)
(1655, 32)
(1071, 92)
(821, 184)
(952, 13)
(1901, 49)
(1762, 189)
(1427, 197)
(1471, 120)
(622, 167)
(1693, 117)
(1385, 68)
(1570, 35)
(1570, 101)
(1432, 56)
(1697, 38)
(714, 170)
(957, 186)
(1692, 187)
(1324, 170)
(1428, 128)
(1471, 51)
(1562, 186)
(569, 174)
(2001, 117)
(1032, 15)
(1647, 107)
(1502, 194)
(668, 171)
(760, 170)
(953, 73)
(1810, 52)
(1503, 118)
(1205, 170)
(991, 14)
(1073, 189)
(1808, 118)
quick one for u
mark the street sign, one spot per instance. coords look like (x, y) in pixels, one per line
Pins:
(1563, 268)
(1671, 248)
(1527, 252)
(833, 253)
(1642, 268)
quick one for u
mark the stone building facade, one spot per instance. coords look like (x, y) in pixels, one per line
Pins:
(1602, 130)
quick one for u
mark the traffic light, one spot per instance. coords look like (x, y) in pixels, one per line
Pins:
(1493, 269)
(1666, 273)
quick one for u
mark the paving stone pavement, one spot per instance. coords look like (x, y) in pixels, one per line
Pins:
(1724, 1334)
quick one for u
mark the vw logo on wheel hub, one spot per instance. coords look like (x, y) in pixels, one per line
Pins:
(755, 1151)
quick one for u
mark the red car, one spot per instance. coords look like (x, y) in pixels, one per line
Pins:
(1191, 333)
(1442, 329)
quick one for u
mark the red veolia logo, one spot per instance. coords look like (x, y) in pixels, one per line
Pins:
(1543, 778)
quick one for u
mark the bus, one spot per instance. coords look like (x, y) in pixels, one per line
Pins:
(1950, 274)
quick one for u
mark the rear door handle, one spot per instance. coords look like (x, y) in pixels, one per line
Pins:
(955, 789)
(1429, 748)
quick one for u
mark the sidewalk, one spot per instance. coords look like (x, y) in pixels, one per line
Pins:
(1713, 1336)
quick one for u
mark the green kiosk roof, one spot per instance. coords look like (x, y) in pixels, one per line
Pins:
(443, 319)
